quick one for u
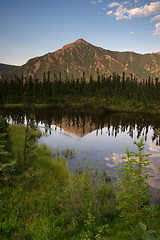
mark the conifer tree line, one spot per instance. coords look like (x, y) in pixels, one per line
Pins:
(20, 90)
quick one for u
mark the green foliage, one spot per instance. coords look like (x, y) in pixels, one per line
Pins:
(133, 195)
(115, 93)
(17, 135)
(47, 201)
(66, 153)
(31, 137)
(7, 164)
(4, 154)
(148, 234)
(91, 231)
(69, 153)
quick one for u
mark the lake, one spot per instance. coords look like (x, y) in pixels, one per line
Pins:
(100, 138)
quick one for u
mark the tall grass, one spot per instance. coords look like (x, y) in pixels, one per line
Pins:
(57, 204)
(16, 143)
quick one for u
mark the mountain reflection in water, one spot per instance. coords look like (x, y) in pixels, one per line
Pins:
(98, 136)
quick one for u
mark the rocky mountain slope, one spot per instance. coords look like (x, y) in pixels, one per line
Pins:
(78, 57)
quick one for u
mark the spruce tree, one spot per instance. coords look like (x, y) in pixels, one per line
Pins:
(133, 189)
(7, 164)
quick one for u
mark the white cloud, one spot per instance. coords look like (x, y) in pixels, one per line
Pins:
(126, 2)
(146, 10)
(135, 1)
(131, 32)
(157, 30)
(114, 4)
(93, 2)
(156, 18)
(100, 1)
(104, 9)
(109, 12)
(120, 13)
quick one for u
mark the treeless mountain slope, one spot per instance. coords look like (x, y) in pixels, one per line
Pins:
(5, 68)
(78, 57)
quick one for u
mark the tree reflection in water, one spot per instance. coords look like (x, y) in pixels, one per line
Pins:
(82, 123)
(101, 136)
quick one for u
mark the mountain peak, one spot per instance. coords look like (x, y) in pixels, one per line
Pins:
(80, 40)
(74, 44)
(81, 56)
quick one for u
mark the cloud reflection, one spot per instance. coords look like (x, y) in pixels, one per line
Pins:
(115, 160)
(153, 147)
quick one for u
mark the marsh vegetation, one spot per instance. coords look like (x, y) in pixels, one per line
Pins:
(43, 199)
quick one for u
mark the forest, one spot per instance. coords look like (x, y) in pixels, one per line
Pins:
(41, 198)
(111, 93)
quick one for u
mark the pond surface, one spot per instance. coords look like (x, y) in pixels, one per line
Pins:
(95, 136)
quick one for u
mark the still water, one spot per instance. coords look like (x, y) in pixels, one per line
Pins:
(99, 138)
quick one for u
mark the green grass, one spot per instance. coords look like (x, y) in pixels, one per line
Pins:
(98, 103)
(16, 142)
(53, 203)
(15, 105)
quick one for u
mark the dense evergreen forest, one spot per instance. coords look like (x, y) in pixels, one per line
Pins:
(105, 91)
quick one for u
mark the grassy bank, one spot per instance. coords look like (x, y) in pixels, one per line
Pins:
(112, 104)
(47, 201)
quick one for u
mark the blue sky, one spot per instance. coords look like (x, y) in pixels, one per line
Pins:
(31, 28)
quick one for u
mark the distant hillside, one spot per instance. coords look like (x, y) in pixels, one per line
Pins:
(5, 68)
(81, 56)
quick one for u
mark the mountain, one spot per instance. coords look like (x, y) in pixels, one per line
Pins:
(81, 56)
(5, 68)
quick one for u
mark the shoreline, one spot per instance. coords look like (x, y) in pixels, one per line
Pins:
(87, 106)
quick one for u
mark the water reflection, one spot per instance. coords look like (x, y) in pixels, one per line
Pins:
(98, 136)
(82, 123)
(115, 160)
